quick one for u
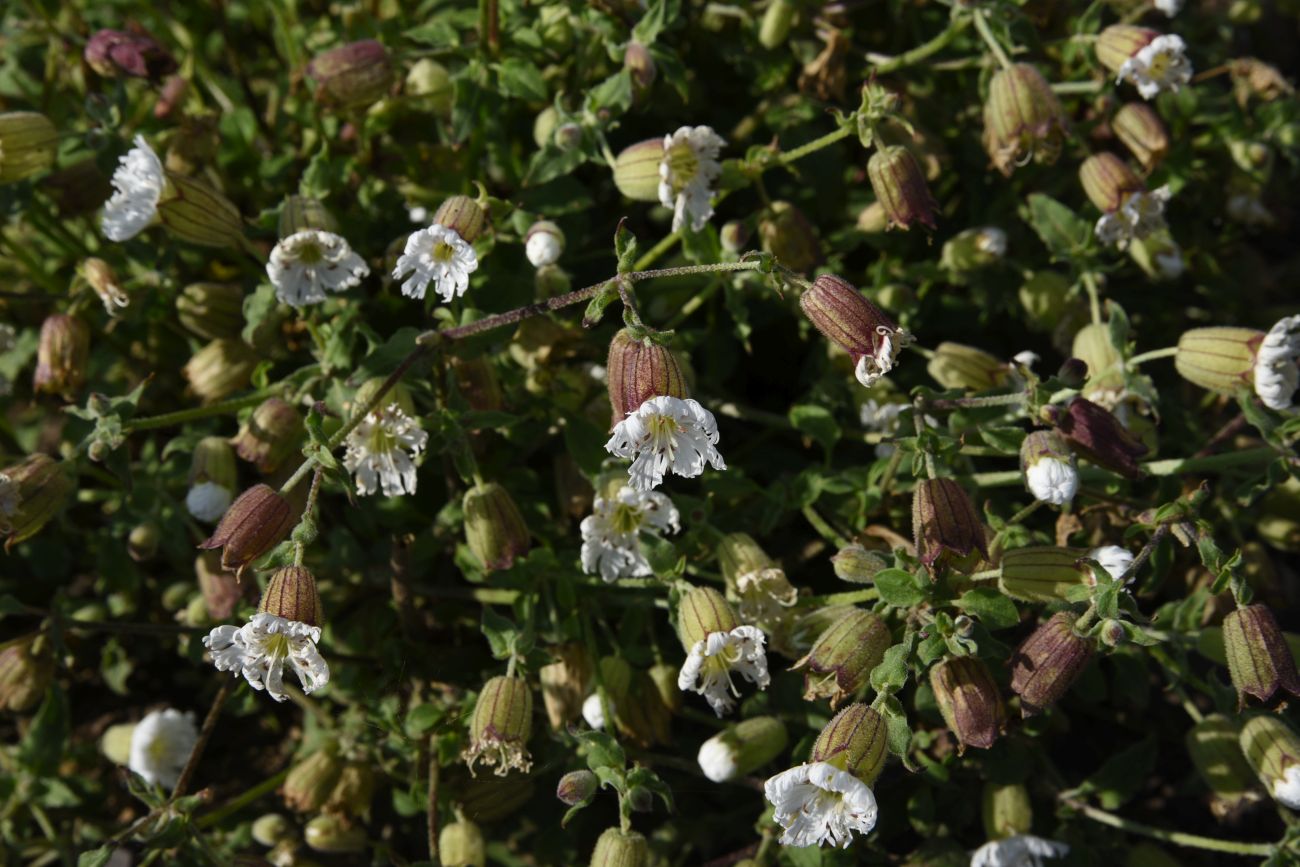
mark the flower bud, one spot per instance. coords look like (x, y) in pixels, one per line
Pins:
(501, 725)
(1259, 658)
(212, 479)
(856, 565)
(460, 844)
(576, 787)
(618, 848)
(1048, 465)
(142, 541)
(1006, 810)
(1097, 435)
(1023, 119)
(972, 249)
(299, 213)
(272, 829)
(945, 524)
(1094, 346)
(138, 55)
(639, 369)
(1042, 573)
(271, 434)
(28, 143)
(1219, 359)
(494, 529)
(899, 184)
(1273, 750)
(32, 492)
(352, 794)
(1047, 663)
(703, 611)
(733, 236)
(61, 356)
(739, 554)
(352, 76)
(212, 310)
(198, 213)
(254, 524)
(333, 834)
(311, 780)
(969, 701)
(841, 659)
(1142, 132)
(220, 369)
(640, 65)
(26, 669)
(855, 740)
(462, 215)
(564, 685)
(1108, 181)
(742, 748)
(292, 594)
(568, 136)
(1214, 745)
(543, 243)
(636, 170)
(846, 318)
(103, 279)
(955, 365)
(785, 232)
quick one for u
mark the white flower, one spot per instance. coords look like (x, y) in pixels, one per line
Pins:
(418, 214)
(1114, 559)
(1276, 372)
(690, 167)
(1169, 7)
(1052, 480)
(139, 181)
(439, 256)
(543, 248)
(708, 668)
(666, 433)
(1026, 358)
(717, 759)
(610, 534)
(1160, 65)
(1022, 850)
(819, 803)
(382, 451)
(764, 596)
(208, 501)
(161, 744)
(307, 263)
(1141, 215)
(259, 649)
(8, 502)
(1286, 788)
(594, 712)
(871, 367)
(991, 241)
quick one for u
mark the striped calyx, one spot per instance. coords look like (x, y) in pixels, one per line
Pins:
(639, 369)
(1047, 663)
(196, 212)
(291, 593)
(969, 701)
(636, 170)
(501, 725)
(1220, 359)
(254, 524)
(494, 528)
(1259, 659)
(841, 659)
(1042, 573)
(1108, 181)
(899, 184)
(945, 525)
(1023, 119)
(855, 740)
(703, 611)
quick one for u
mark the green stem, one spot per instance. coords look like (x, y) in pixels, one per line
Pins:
(977, 402)
(1078, 86)
(242, 800)
(884, 64)
(205, 733)
(1178, 838)
(986, 575)
(787, 157)
(33, 268)
(1144, 357)
(826, 531)
(1094, 298)
(982, 25)
(228, 407)
(654, 253)
(1170, 467)
(848, 597)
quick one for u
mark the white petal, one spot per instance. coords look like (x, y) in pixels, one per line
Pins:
(1277, 374)
(139, 182)
(1052, 480)
(1286, 790)
(425, 261)
(307, 264)
(208, 501)
(381, 452)
(717, 759)
(1114, 559)
(161, 744)
(819, 803)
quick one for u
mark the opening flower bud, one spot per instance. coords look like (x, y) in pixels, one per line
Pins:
(1214, 745)
(856, 565)
(1042, 573)
(462, 215)
(636, 170)
(212, 310)
(494, 529)
(1047, 663)
(28, 142)
(1142, 132)
(311, 780)
(1148, 60)
(945, 525)
(543, 243)
(1006, 810)
(1023, 119)
(1108, 181)
(61, 356)
(846, 318)
(899, 184)
(220, 369)
(352, 76)
(254, 524)
(618, 848)
(955, 365)
(787, 234)
(501, 725)
(1259, 658)
(270, 435)
(841, 659)
(460, 844)
(742, 748)
(1049, 468)
(26, 669)
(576, 787)
(32, 492)
(969, 701)
(1273, 750)
(1097, 435)
(855, 740)
(639, 369)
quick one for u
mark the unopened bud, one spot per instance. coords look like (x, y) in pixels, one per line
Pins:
(899, 184)
(352, 76)
(430, 80)
(969, 701)
(28, 143)
(1042, 573)
(311, 780)
(300, 213)
(842, 658)
(733, 236)
(501, 725)
(1273, 750)
(138, 55)
(273, 829)
(576, 787)
(640, 65)
(1047, 663)
(1023, 119)
(742, 748)
(1259, 658)
(32, 492)
(618, 848)
(702, 612)
(1214, 745)
(61, 356)
(220, 369)
(254, 524)
(543, 243)
(142, 541)
(462, 215)
(1108, 181)
(333, 834)
(639, 369)
(857, 565)
(292, 594)
(212, 310)
(26, 669)
(787, 234)
(955, 365)
(972, 249)
(1219, 359)
(1006, 810)
(946, 527)
(1097, 435)
(636, 170)
(1049, 468)
(1142, 132)
(494, 529)
(855, 740)
(460, 844)
(846, 318)
(271, 434)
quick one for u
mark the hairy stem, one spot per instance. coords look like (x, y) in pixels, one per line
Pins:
(884, 64)
(228, 407)
(1178, 838)
(982, 25)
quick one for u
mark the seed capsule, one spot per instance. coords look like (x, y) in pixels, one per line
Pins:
(310, 781)
(856, 565)
(787, 234)
(899, 184)
(352, 76)
(254, 524)
(61, 356)
(945, 526)
(969, 701)
(1097, 435)
(1047, 663)
(494, 528)
(842, 658)
(1023, 119)
(212, 310)
(1259, 658)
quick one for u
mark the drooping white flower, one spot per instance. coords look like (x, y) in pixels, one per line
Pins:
(1114, 559)
(872, 366)
(1021, 850)
(382, 452)
(687, 173)
(594, 712)
(1160, 65)
(1277, 364)
(765, 596)
(307, 263)
(1141, 215)
(139, 182)
(1169, 7)
(1286, 788)
(818, 803)
(208, 501)
(707, 670)
(611, 533)
(666, 433)
(259, 649)
(439, 256)
(8, 502)
(717, 759)
(542, 249)
(161, 744)
(1052, 480)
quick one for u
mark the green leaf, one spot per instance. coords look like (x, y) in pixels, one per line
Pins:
(658, 15)
(1005, 439)
(521, 79)
(992, 608)
(891, 674)
(1065, 233)
(596, 307)
(422, 718)
(613, 95)
(1123, 774)
(899, 588)
(603, 751)
(43, 747)
(817, 422)
(97, 858)
(500, 632)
